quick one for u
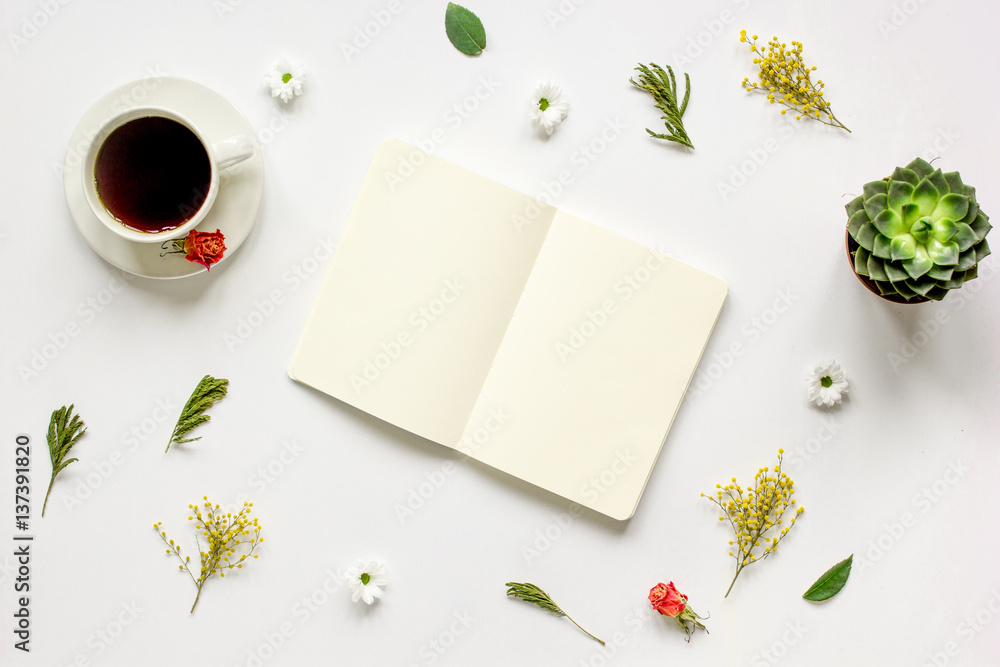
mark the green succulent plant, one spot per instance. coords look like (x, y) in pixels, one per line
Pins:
(919, 232)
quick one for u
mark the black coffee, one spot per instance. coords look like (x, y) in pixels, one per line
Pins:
(152, 174)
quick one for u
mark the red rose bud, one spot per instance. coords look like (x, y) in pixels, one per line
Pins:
(205, 248)
(670, 602)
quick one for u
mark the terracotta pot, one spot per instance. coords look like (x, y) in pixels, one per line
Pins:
(852, 246)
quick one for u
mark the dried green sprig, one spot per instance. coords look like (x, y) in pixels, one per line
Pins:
(663, 87)
(535, 595)
(783, 72)
(225, 533)
(208, 391)
(752, 512)
(65, 430)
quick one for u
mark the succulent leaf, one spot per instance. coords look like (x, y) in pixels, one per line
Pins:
(920, 167)
(876, 268)
(925, 196)
(981, 225)
(859, 219)
(954, 181)
(942, 254)
(861, 261)
(900, 192)
(920, 264)
(882, 247)
(866, 236)
(875, 205)
(940, 184)
(904, 247)
(921, 287)
(876, 188)
(895, 272)
(911, 213)
(966, 260)
(890, 223)
(941, 273)
(964, 236)
(945, 228)
(982, 250)
(904, 174)
(952, 205)
(855, 205)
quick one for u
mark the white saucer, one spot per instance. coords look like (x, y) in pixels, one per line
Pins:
(241, 186)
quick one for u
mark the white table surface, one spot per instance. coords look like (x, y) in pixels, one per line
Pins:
(915, 442)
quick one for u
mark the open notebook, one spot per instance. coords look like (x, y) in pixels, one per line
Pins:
(492, 323)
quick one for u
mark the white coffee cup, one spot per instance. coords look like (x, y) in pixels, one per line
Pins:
(221, 155)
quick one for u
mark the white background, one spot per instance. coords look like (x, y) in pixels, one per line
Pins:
(913, 82)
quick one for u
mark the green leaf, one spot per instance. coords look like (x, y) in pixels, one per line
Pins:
(920, 167)
(662, 85)
(876, 204)
(876, 188)
(904, 174)
(65, 430)
(903, 247)
(205, 395)
(954, 181)
(964, 236)
(926, 197)
(951, 206)
(830, 582)
(536, 596)
(889, 223)
(919, 265)
(464, 29)
(900, 192)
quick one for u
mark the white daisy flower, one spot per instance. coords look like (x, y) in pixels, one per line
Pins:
(367, 579)
(827, 383)
(285, 79)
(548, 107)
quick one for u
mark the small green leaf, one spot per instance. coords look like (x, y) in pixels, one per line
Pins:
(465, 30)
(830, 582)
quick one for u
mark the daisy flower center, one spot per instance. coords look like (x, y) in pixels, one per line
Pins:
(543, 103)
(365, 578)
(286, 77)
(826, 381)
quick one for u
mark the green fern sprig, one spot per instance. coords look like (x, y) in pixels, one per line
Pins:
(535, 595)
(65, 430)
(662, 85)
(205, 395)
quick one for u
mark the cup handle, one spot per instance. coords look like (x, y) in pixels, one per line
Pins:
(232, 151)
